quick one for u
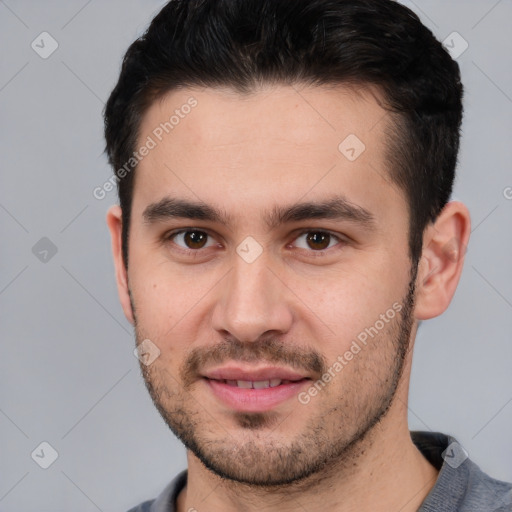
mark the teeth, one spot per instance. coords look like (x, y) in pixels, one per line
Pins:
(258, 384)
(247, 384)
(261, 384)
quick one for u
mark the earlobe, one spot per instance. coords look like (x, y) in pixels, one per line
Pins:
(114, 223)
(442, 260)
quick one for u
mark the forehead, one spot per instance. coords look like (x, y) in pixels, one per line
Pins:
(273, 146)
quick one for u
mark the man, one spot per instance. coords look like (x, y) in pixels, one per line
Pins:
(284, 173)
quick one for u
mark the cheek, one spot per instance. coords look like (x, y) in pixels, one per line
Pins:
(344, 305)
(172, 304)
(155, 305)
(159, 288)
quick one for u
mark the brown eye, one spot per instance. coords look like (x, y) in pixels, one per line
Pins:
(191, 239)
(195, 239)
(318, 240)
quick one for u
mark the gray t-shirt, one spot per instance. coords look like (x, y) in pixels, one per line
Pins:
(460, 487)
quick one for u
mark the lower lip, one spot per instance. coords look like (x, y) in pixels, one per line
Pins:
(254, 400)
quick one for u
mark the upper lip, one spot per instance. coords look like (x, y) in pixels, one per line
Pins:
(253, 375)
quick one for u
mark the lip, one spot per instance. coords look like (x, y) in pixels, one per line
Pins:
(254, 400)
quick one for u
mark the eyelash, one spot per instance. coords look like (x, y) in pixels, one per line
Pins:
(318, 253)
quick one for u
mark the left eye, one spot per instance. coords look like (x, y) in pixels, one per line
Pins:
(318, 240)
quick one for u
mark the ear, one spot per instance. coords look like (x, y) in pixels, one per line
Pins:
(442, 259)
(114, 223)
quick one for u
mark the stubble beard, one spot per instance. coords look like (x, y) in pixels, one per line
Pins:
(331, 440)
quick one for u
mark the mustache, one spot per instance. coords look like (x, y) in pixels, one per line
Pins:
(269, 350)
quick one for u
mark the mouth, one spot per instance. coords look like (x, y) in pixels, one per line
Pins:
(249, 390)
(257, 384)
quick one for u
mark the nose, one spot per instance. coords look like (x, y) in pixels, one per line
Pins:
(253, 302)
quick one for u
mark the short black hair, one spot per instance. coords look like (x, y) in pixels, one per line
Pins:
(243, 44)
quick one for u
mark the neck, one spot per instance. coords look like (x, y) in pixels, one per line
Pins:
(384, 471)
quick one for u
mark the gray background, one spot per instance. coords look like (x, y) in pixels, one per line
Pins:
(68, 374)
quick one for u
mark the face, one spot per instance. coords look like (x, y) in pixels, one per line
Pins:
(268, 265)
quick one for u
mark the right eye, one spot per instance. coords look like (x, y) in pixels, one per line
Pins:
(192, 240)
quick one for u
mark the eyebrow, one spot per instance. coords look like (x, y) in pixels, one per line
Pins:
(335, 208)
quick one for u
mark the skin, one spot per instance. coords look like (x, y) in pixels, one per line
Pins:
(349, 448)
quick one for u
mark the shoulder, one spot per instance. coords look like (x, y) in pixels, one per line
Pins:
(166, 500)
(461, 485)
(143, 507)
(486, 493)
